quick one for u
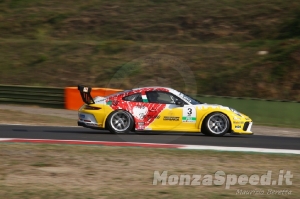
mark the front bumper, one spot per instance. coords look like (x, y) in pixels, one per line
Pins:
(241, 133)
(244, 128)
(247, 126)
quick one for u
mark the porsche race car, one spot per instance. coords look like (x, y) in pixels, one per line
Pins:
(158, 109)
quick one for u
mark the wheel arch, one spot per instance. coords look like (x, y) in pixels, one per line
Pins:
(208, 113)
(107, 116)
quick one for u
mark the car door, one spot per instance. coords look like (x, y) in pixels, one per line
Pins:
(171, 117)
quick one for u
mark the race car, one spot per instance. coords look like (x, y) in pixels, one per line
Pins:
(158, 109)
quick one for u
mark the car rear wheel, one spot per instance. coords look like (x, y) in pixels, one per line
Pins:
(120, 122)
(215, 124)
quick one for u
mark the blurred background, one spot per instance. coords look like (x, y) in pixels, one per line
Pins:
(232, 47)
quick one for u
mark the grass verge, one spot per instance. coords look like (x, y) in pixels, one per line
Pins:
(9, 117)
(68, 171)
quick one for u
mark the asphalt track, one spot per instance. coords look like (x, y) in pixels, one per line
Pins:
(80, 133)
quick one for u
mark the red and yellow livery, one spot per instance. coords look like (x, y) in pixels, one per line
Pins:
(159, 109)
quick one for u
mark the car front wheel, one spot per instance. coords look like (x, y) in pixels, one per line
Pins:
(215, 124)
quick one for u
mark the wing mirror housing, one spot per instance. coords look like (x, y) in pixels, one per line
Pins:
(179, 103)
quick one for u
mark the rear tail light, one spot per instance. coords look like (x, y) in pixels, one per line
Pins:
(87, 107)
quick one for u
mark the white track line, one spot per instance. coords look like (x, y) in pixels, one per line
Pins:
(240, 149)
(5, 139)
(159, 145)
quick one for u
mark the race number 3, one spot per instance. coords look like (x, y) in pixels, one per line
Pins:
(189, 114)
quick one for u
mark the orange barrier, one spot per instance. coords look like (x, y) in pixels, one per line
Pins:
(73, 99)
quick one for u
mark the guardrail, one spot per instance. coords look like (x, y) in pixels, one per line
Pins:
(32, 95)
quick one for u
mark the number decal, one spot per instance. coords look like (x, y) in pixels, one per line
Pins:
(189, 114)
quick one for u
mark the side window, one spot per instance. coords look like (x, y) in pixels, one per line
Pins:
(137, 97)
(161, 97)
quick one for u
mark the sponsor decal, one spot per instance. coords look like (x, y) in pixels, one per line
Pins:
(170, 118)
(238, 127)
(236, 118)
(184, 97)
(99, 100)
(82, 116)
(141, 125)
(238, 122)
(139, 112)
(188, 119)
(148, 117)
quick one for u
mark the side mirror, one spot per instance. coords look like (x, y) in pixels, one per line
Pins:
(179, 103)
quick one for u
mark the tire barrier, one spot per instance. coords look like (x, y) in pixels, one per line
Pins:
(73, 99)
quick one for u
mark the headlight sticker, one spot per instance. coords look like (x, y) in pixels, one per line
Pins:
(236, 112)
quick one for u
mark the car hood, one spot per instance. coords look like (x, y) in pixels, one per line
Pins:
(218, 106)
(203, 106)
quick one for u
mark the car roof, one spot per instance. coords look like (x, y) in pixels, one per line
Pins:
(152, 87)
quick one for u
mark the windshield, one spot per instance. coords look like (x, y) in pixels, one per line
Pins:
(190, 99)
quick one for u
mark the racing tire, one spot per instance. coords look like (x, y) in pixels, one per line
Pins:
(215, 124)
(120, 121)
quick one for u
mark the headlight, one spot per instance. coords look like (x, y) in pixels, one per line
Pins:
(236, 112)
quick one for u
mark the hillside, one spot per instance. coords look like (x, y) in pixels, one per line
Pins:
(211, 47)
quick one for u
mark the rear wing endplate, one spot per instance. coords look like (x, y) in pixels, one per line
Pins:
(85, 93)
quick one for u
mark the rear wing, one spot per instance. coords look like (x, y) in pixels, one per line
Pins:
(85, 93)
